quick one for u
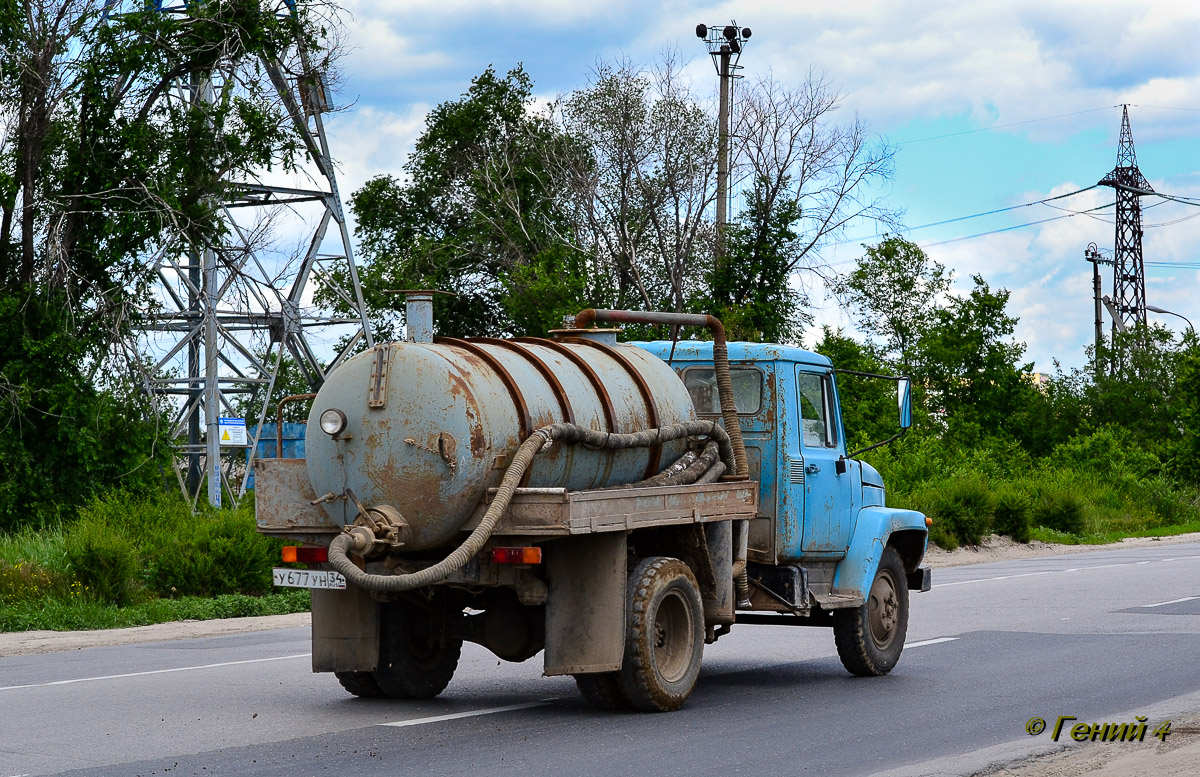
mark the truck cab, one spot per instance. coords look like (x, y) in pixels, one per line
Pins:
(820, 512)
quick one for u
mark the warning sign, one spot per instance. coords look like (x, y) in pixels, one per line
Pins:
(233, 431)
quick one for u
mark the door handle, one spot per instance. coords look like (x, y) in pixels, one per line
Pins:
(812, 469)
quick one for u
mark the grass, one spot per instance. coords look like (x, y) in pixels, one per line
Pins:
(83, 613)
(133, 562)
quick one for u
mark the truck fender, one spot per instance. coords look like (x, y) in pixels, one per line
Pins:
(875, 525)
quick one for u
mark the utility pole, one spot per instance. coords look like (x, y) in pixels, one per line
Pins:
(1092, 255)
(725, 44)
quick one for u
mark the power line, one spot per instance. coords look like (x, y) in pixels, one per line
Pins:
(1017, 226)
(977, 215)
(1003, 126)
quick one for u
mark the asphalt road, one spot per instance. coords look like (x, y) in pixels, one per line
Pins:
(1100, 636)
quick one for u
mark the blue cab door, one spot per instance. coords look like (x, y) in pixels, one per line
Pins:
(828, 495)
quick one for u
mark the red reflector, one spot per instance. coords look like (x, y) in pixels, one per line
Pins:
(303, 555)
(516, 555)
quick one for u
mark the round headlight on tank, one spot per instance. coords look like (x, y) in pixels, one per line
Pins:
(333, 422)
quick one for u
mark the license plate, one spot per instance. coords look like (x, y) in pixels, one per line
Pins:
(308, 578)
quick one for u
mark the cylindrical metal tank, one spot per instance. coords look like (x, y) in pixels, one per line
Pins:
(431, 426)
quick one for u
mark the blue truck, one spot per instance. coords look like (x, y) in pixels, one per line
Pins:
(612, 506)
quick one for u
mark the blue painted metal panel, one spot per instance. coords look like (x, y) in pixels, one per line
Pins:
(829, 496)
(874, 526)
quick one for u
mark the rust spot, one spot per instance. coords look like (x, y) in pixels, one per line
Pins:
(478, 443)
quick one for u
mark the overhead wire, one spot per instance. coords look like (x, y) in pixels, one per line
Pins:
(1002, 126)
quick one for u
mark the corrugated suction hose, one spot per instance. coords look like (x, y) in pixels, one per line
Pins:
(341, 546)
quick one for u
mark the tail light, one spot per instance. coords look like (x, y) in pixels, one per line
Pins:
(516, 555)
(299, 554)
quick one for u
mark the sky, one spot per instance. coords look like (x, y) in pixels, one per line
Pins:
(990, 105)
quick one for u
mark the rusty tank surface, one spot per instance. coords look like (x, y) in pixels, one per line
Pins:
(428, 427)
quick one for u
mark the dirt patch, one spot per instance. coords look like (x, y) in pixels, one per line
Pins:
(25, 643)
(1178, 756)
(1004, 549)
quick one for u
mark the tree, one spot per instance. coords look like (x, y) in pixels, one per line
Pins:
(99, 163)
(868, 405)
(825, 173)
(479, 215)
(895, 289)
(968, 363)
(751, 290)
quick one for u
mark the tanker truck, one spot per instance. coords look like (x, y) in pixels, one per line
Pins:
(613, 506)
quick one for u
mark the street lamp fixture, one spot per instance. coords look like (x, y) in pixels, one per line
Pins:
(725, 44)
(1154, 309)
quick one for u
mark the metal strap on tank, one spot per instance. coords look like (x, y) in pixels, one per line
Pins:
(560, 394)
(610, 415)
(513, 390)
(643, 389)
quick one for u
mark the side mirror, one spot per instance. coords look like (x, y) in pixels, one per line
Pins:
(904, 400)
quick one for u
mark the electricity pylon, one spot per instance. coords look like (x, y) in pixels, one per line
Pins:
(1129, 273)
(230, 313)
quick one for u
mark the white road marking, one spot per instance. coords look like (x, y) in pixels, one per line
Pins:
(1173, 601)
(935, 641)
(469, 714)
(1062, 571)
(154, 671)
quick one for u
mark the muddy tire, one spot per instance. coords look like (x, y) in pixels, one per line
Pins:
(602, 691)
(417, 658)
(361, 684)
(870, 638)
(664, 638)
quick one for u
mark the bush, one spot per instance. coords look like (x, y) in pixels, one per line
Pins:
(104, 559)
(941, 535)
(1011, 516)
(964, 506)
(210, 554)
(1060, 510)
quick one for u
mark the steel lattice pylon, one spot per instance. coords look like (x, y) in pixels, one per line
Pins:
(228, 315)
(1129, 275)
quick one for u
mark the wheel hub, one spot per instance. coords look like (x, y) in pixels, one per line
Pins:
(884, 611)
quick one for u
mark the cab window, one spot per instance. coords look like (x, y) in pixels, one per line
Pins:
(816, 410)
(701, 383)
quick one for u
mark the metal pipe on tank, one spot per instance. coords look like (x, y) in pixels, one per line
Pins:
(584, 319)
(418, 314)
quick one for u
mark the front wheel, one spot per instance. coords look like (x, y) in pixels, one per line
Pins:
(870, 637)
(664, 639)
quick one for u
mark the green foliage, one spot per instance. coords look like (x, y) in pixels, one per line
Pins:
(127, 559)
(750, 288)
(1012, 515)
(480, 216)
(968, 364)
(81, 612)
(212, 554)
(895, 288)
(102, 163)
(963, 508)
(62, 439)
(103, 558)
(1059, 509)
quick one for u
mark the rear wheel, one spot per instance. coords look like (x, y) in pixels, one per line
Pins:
(870, 637)
(360, 684)
(664, 640)
(417, 658)
(602, 690)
